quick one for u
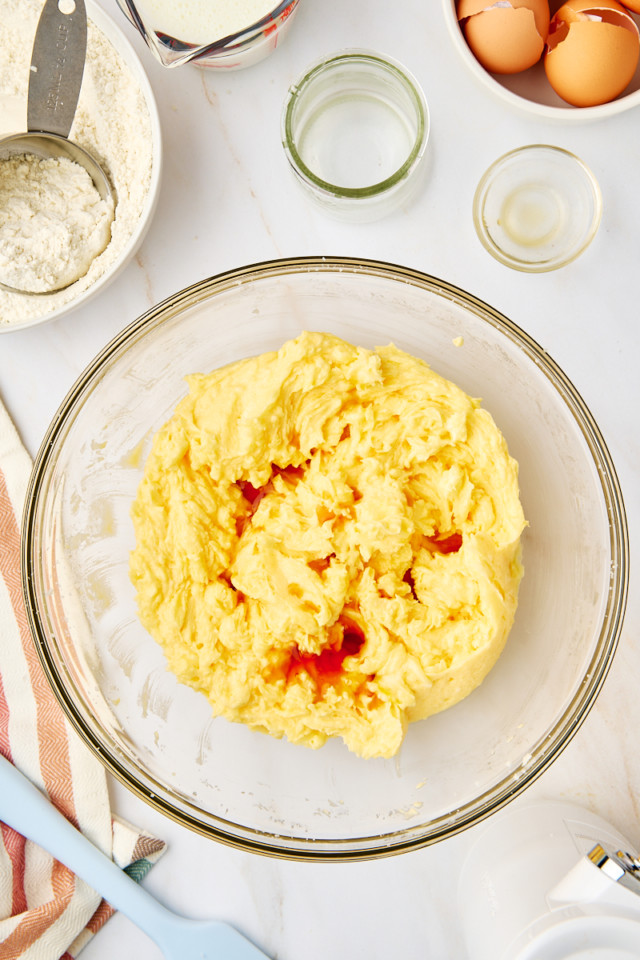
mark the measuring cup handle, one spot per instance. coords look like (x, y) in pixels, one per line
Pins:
(57, 65)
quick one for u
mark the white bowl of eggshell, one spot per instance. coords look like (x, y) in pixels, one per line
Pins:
(571, 61)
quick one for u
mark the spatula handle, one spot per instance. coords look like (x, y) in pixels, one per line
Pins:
(31, 813)
(27, 810)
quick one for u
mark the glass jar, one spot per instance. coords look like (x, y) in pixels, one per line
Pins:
(354, 129)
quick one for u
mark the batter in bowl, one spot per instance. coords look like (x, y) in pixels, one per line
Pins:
(328, 542)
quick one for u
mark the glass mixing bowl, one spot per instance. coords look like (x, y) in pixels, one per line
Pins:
(246, 788)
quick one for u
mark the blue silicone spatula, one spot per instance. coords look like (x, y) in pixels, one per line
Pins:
(27, 810)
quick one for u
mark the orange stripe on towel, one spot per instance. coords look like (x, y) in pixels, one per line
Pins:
(53, 752)
(51, 730)
(13, 842)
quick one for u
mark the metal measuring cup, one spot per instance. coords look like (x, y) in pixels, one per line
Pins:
(57, 67)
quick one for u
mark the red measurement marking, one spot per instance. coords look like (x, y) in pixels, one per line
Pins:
(277, 21)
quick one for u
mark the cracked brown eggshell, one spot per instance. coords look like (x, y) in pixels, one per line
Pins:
(592, 51)
(505, 37)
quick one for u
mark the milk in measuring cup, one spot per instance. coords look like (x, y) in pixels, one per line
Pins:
(204, 21)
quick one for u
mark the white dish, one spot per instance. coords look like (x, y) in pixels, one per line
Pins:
(530, 90)
(63, 305)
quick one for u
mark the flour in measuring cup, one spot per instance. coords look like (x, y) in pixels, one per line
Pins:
(112, 123)
(53, 222)
(204, 21)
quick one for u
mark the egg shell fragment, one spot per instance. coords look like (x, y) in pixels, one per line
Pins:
(593, 51)
(572, 10)
(505, 37)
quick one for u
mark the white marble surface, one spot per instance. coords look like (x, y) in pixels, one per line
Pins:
(228, 199)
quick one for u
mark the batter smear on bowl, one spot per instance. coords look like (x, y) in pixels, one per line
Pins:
(328, 542)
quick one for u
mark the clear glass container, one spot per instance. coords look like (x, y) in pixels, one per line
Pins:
(537, 208)
(354, 129)
(243, 787)
(243, 49)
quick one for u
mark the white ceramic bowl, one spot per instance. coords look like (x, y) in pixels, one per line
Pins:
(57, 305)
(246, 788)
(530, 90)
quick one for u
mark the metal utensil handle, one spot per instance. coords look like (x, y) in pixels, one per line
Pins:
(618, 865)
(57, 65)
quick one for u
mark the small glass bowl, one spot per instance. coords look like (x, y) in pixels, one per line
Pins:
(354, 129)
(537, 208)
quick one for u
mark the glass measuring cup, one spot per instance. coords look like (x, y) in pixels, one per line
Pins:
(234, 51)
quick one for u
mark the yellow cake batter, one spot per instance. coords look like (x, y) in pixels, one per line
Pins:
(328, 542)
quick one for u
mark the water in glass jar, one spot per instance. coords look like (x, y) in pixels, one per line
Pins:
(355, 141)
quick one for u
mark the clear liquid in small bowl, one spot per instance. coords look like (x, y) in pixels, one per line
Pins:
(533, 215)
(537, 208)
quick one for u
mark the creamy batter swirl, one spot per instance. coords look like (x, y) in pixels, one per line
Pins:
(328, 542)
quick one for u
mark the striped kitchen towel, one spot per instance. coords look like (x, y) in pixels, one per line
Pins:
(45, 911)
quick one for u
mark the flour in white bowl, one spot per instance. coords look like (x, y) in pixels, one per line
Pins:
(112, 123)
(53, 222)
